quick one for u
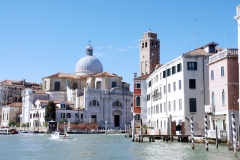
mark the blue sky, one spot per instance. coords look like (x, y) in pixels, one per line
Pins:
(40, 38)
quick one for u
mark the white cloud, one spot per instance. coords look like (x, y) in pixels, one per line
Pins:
(133, 47)
(109, 47)
(120, 49)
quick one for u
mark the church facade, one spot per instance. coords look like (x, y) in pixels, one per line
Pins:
(101, 97)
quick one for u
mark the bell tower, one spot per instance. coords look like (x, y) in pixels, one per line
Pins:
(149, 53)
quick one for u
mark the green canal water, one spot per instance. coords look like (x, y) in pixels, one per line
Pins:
(102, 147)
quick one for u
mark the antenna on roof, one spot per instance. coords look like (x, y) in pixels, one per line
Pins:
(197, 33)
(89, 42)
(149, 29)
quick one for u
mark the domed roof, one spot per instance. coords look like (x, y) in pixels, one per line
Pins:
(88, 65)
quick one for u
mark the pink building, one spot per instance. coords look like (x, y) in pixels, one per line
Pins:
(224, 92)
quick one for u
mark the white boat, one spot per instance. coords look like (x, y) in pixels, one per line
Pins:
(58, 135)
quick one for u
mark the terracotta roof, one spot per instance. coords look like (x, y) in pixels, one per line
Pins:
(197, 52)
(144, 77)
(105, 74)
(64, 75)
(20, 83)
(16, 104)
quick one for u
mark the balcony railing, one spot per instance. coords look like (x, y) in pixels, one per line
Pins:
(157, 96)
(224, 53)
(210, 109)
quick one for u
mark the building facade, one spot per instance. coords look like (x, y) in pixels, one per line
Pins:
(224, 91)
(179, 89)
(100, 97)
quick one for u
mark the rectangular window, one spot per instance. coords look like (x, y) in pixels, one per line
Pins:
(157, 108)
(164, 74)
(164, 107)
(74, 86)
(192, 105)
(160, 107)
(151, 110)
(164, 89)
(174, 105)
(174, 86)
(62, 115)
(149, 83)
(169, 106)
(212, 74)
(62, 105)
(180, 104)
(192, 83)
(173, 70)
(164, 124)
(169, 72)
(179, 67)
(180, 84)
(138, 85)
(222, 71)
(169, 87)
(160, 75)
(68, 115)
(156, 78)
(192, 65)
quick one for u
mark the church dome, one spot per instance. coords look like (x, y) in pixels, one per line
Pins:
(88, 65)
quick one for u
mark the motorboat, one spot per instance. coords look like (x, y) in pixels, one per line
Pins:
(7, 131)
(58, 135)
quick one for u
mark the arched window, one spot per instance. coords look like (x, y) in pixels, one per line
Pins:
(152, 44)
(114, 84)
(117, 104)
(223, 97)
(94, 103)
(142, 45)
(145, 44)
(212, 98)
(74, 85)
(57, 86)
(138, 101)
(99, 85)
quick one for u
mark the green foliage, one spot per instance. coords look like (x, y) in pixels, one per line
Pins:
(45, 124)
(50, 111)
(63, 120)
(27, 124)
(23, 125)
(11, 123)
(17, 124)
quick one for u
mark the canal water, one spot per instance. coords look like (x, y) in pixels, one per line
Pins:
(103, 147)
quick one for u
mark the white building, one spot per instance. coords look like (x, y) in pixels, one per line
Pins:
(99, 96)
(11, 112)
(180, 88)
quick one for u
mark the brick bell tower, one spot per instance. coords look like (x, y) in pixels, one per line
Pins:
(149, 53)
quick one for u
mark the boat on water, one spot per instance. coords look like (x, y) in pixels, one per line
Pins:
(58, 135)
(7, 131)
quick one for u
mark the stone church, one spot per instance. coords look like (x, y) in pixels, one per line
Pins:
(100, 97)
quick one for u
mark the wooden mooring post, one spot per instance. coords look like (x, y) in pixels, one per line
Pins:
(192, 131)
(125, 129)
(170, 126)
(206, 134)
(216, 137)
(234, 134)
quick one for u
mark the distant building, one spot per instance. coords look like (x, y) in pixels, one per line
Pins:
(10, 91)
(224, 91)
(180, 88)
(11, 112)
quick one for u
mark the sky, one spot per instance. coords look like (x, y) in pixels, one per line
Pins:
(40, 38)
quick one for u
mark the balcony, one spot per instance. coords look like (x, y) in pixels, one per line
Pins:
(157, 96)
(209, 109)
(223, 54)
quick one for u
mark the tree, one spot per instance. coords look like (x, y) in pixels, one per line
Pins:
(50, 111)
(11, 123)
(63, 120)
